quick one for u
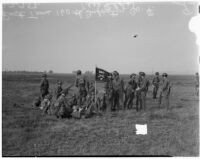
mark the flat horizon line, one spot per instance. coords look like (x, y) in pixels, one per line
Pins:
(84, 73)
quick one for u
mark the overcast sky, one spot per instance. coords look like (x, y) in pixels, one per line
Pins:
(67, 43)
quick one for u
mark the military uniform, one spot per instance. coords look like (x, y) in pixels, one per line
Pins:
(108, 95)
(80, 83)
(118, 92)
(44, 87)
(141, 92)
(155, 82)
(59, 90)
(62, 109)
(130, 93)
(165, 91)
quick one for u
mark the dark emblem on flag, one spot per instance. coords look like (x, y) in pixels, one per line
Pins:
(102, 75)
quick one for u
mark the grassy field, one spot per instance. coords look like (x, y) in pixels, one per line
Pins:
(26, 132)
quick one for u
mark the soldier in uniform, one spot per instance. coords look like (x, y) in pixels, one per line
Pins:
(130, 92)
(108, 97)
(155, 83)
(91, 88)
(197, 83)
(165, 91)
(62, 109)
(81, 84)
(59, 89)
(118, 91)
(44, 86)
(141, 91)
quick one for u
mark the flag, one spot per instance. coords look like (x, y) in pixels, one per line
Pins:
(102, 75)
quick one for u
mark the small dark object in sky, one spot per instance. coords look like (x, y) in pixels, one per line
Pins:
(135, 35)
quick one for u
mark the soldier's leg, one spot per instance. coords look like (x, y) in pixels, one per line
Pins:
(120, 100)
(167, 102)
(160, 100)
(114, 100)
(137, 101)
(125, 101)
(156, 91)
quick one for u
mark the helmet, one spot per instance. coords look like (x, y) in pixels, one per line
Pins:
(115, 73)
(164, 74)
(141, 73)
(157, 73)
(133, 74)
(78, 72)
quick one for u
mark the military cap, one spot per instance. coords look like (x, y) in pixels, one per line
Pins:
(164, 74)
(44, 75)
(115, 73)
(78, 72)
(133, 74)
(141, 73)
(157, 73)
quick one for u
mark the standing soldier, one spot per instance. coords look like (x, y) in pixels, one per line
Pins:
(118, 91)
(81, 84)
(141, 91)
(91, 87)
(59, 89)
(197, 84)
(165, 90)
(130, 91)
(108, 97)
(155, 83)
(44, 86)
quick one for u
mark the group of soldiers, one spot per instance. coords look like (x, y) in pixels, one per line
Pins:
(117, 94)
(121, 96)
(62, 104)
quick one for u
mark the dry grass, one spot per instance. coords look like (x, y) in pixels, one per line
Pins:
(26, 132)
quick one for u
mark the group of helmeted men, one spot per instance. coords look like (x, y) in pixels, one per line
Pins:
(121, 96)
(118, 94)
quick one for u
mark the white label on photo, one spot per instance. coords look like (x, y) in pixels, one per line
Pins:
(141, 129)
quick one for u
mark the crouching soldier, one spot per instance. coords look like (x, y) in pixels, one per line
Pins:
(165, 91)
(44, 86)
(46, 103)
(130, 92)
(62, 109)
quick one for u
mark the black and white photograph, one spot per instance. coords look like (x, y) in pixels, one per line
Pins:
(100, 79)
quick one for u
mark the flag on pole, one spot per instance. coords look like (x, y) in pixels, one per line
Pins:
(102, 75)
